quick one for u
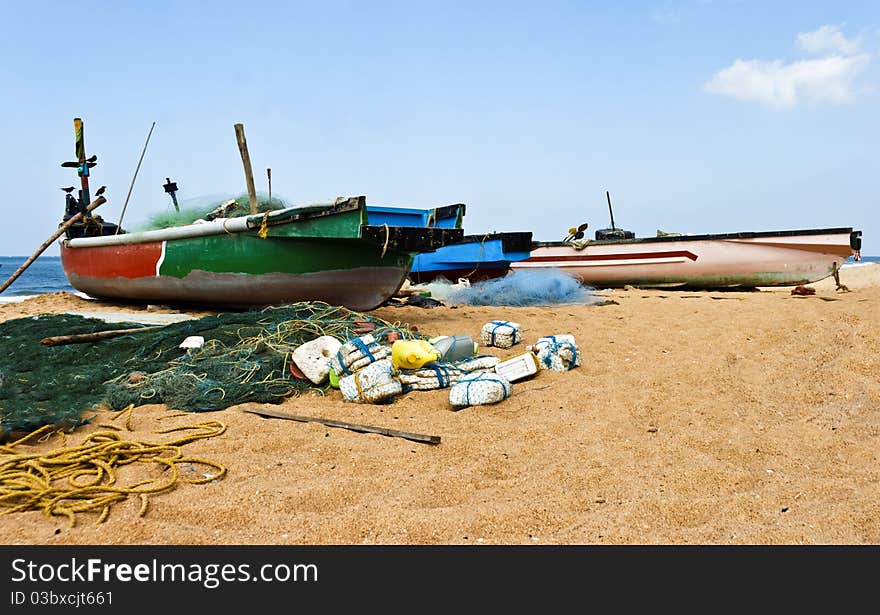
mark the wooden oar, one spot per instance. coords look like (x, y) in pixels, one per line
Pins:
(73, 220)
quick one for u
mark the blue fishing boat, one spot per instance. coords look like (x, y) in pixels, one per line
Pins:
(475, 257)
(449, 216)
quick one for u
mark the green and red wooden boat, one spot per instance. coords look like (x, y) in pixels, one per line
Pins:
(324, 252)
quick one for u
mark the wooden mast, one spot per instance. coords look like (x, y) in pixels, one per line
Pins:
(246, 161)
(83, 169)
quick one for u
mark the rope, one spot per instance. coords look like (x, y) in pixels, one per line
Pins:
(387, 237)
(342, 364)
(264, 226)
(484, 377)
(83, 478)
(93, 222)
(498, 324)
(553, 350)
(443, 376)
(479, 257)
(362, 394)
(360, 345)
(357, 385)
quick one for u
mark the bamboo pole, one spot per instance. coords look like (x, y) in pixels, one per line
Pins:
(79, 338)
(73, 220)
(134, 177)
(417, 437)
(246, 162)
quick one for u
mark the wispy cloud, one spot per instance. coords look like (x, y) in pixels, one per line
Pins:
(827, 79)
(828, 39)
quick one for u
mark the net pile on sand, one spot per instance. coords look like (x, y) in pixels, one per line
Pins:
(246, 357)
(519, 288)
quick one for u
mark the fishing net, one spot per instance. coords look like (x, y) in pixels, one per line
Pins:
(197, 209)
(246, 357)
(519, 288)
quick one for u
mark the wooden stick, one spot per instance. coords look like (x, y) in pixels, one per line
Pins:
(73, 220)
(417, 437)
(134, 177)
(269, 173)
(79, 338)
(246, 161)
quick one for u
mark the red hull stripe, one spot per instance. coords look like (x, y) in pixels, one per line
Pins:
(612, 257)
(122, 261)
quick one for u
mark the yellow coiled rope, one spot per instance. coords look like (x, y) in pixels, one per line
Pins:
(83, 478)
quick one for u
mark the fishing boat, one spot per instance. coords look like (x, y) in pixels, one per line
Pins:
(475, 257)
(744, 259)
(617, 258)
(322, 252)
(448, 216)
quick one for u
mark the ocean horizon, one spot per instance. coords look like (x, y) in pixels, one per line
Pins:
(46, 275)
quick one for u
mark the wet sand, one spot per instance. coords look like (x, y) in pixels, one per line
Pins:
(695, 418)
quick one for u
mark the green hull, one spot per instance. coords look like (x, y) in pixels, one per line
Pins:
(323, 253)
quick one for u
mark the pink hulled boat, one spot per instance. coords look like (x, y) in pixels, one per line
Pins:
(747, 259)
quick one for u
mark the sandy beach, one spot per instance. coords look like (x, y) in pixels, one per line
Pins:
(695, 418)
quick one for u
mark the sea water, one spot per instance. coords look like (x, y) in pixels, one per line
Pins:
(44, 275)
(865, 260)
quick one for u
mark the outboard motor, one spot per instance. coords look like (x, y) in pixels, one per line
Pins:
(613, 232)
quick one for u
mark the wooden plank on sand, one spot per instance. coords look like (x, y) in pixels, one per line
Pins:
(417, 437)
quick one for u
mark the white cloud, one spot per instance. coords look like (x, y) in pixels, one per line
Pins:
(784, 85)
(827, 39)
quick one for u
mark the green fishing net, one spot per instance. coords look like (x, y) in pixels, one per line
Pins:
(189, 213)
(246, 357)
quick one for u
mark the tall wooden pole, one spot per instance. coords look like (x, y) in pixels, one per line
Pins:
(83, 170)
(70, 222)
(269, 173)
(246, 161)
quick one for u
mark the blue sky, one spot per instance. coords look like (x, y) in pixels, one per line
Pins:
(698, 116)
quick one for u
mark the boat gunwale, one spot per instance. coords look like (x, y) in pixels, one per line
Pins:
(704, 237)
(440, 213)
(511, 241)
(220, 226)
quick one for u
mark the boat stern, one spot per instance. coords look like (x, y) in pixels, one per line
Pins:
(410, 239)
